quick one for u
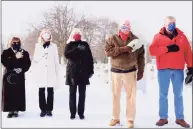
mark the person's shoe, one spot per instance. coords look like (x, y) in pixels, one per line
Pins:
(81, 117)
(113, 122)
(162, 122)
(42, 114)
(130, 124)
(15, 114)
(10, 115)
(72, 117)
(49, 113)
(182, 123)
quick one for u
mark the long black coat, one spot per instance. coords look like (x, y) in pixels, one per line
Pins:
(80, 64)
(13, 95)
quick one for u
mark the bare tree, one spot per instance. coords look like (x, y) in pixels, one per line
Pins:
(105, 28)
(31, 40)
(61, 19)
(95, 32)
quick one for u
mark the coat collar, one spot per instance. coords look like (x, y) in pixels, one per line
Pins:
(129, 37)
(163, 29)
(11, 51)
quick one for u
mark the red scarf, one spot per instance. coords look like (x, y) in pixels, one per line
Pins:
(123, 36)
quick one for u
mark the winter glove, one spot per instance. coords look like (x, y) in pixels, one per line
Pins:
(135, 44)
(139, 75)
(81, 47)
(189, 76)
(19, 55)
(46, 44)
(126, 49)
(173, 48)
(18, 70)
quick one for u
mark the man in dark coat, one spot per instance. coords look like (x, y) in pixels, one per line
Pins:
(16, 62)
(79, 70)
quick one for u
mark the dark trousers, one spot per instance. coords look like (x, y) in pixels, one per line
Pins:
(81, 102)
(42, 99)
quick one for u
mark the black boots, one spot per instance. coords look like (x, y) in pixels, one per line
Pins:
(81, 117)
(49, 113)
(44, 113)
(12, 114)
(72, 117)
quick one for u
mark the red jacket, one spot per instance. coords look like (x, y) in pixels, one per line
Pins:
(172, 60)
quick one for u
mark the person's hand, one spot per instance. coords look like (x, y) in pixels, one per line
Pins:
(139, 75)
(189, 76)
(126, 49)
(81, 47)
(19, 55)
(18, 70)
(173, 48)
(129, 49)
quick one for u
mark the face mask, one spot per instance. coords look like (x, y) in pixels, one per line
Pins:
(46, 36)
(125, 29)
(16, 46)
(171, 27)
(77, 37)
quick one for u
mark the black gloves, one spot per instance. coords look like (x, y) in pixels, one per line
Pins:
(139, 75)
(189, 76)
(190, 70)
(81, 47)
(173, 48)
(46, 44)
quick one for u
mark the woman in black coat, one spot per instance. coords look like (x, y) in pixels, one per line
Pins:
(79, 70)
(16, 62)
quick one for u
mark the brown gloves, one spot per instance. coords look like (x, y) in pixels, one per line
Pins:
(126, 49)
(139, 75)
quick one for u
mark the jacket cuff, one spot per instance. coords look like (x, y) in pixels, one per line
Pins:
(140, 71)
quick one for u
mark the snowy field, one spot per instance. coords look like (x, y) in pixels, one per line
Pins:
(98, 104)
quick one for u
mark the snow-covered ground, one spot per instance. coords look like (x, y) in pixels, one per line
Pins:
(98, 104)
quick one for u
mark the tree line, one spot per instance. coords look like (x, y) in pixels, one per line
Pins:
(61, 19)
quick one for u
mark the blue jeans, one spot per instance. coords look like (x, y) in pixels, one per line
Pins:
(177, 78)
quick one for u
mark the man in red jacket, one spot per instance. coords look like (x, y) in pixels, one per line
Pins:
(172, 51)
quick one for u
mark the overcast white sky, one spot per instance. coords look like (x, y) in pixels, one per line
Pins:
(146, 17)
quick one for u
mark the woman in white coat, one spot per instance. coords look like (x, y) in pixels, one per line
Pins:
(47, 71)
